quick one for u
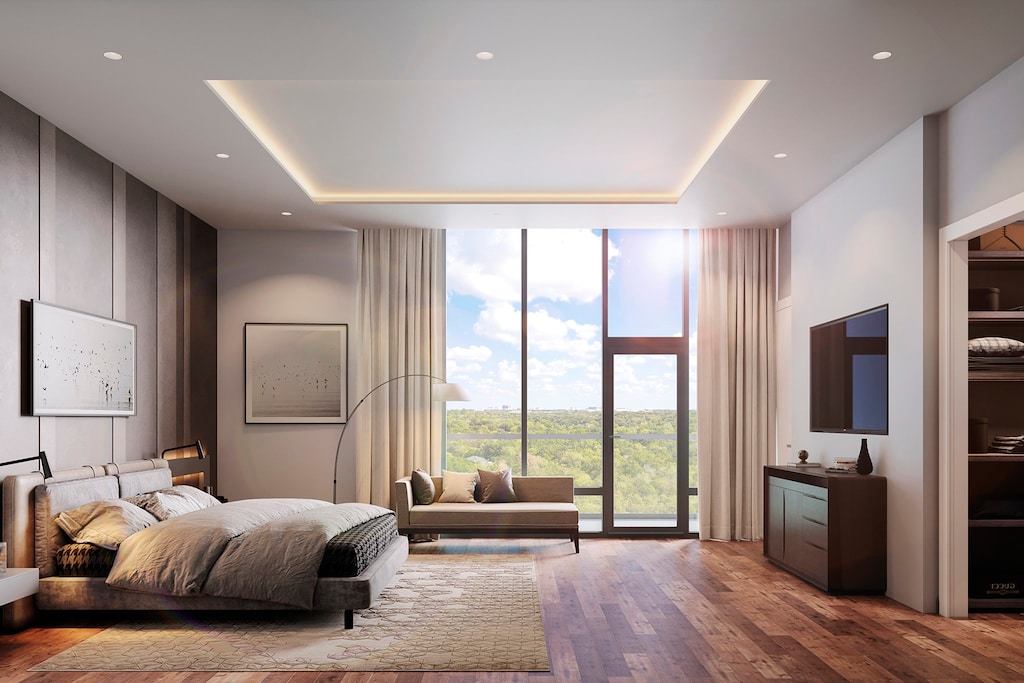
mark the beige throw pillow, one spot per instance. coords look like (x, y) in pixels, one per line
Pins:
(105, 523)
(177, 500)
(459, 487)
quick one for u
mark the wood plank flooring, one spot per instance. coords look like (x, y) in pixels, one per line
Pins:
(663, 610)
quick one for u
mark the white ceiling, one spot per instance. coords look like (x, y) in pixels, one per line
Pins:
(614, 113)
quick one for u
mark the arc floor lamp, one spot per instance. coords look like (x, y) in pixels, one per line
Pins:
(439, 391)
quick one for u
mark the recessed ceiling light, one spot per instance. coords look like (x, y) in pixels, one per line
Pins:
(723, 213)
(484, 56)
(222, 155)
(780, 155)
(113, 56)
(879, 56)
(286, 213)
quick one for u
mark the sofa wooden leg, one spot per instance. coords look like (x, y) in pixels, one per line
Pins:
(575, 537)
(349, 619)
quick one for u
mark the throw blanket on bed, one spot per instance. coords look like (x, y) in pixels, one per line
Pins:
(265, 549)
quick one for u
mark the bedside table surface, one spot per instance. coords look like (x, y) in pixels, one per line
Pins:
(18, 583)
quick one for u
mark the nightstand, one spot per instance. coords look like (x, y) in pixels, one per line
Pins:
(16, 584)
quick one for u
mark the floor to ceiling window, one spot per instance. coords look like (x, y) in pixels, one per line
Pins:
(575, 346)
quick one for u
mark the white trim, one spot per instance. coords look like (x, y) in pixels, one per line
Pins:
(953, 410)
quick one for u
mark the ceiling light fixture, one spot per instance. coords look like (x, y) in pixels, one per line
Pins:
(222, 155)
(484, 56)
(113, 56)
(879, 56)
(723, 213)
(286, 213)
(780, 155)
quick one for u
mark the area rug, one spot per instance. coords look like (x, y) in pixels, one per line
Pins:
(439, 613)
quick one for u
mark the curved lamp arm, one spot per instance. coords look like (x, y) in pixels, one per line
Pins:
(452, 395)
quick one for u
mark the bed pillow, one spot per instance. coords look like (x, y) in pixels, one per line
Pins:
(177, 500)
(105, 523)
(995, 346)
(422, 488)
(496, 487)
(459, 487)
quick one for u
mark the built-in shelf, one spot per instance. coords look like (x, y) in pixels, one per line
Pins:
(992, 523)
(995, 260)
(1001, 317)
(995, 457)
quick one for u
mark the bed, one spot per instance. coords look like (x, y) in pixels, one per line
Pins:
(69, 582)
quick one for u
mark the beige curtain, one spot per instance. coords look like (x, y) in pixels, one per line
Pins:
(735, 379)
(401, 331)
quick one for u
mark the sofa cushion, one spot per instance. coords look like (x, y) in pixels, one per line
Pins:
(495, 515)
(459, 487)
(495, 487)
(422, 488)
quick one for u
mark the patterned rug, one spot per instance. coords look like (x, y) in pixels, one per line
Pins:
(440, 613)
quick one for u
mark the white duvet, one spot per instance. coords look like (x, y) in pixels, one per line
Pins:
(266, 549)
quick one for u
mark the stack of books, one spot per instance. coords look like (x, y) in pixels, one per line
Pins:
(844, 465)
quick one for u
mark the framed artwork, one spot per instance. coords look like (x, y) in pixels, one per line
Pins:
(296, 373)
(82, 364)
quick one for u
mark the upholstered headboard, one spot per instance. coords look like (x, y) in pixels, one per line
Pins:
(19, 509)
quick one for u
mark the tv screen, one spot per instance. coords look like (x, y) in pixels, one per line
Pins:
(850, 374)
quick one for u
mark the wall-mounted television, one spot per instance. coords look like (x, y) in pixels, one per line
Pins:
(850, 374)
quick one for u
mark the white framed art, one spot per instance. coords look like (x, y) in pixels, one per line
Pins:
(296, 373)
(82, 364)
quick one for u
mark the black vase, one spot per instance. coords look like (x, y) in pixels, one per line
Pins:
(864, 465)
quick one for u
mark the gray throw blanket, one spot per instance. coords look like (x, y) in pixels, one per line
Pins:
(264, 549)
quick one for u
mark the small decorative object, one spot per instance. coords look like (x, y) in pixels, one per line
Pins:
(802, 461)
(3, 557)
(864, 465)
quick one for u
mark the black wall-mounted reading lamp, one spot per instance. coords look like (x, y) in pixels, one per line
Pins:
(198, 446)
(43, 462)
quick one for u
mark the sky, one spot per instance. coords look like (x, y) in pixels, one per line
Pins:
(484, 276)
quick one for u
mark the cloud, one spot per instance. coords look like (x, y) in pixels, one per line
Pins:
(476, 353)
(564, 265)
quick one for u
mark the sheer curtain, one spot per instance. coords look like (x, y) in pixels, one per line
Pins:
(401, 331)
(735, 379)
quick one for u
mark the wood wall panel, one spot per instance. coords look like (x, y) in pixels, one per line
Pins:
(141, 309)
(19, 274)
(83, 271)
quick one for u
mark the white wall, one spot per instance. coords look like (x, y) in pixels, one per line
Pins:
(280, 277)
(983, 146)
(866, 240)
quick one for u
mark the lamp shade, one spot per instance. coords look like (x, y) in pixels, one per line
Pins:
(446, 391)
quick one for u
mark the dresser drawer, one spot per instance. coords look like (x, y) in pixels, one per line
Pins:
(814, 508)
(815, 534)
(815, 564)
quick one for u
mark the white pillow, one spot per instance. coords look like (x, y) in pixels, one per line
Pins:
(458, 487)
(105, 523)
(177, 500)
(995, 346)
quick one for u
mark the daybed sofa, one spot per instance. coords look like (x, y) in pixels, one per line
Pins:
(544, 506)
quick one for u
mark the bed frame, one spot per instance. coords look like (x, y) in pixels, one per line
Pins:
(24, 537)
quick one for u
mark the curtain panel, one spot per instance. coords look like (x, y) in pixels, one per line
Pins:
(400, 331)
(735, 379)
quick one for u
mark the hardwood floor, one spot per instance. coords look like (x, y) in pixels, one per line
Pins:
(667, 610)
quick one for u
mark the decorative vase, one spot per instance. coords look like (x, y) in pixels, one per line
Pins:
(864, 465)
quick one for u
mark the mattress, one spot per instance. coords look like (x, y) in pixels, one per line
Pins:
(347, 554)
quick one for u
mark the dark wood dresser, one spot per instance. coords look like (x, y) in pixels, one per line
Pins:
(828, 529)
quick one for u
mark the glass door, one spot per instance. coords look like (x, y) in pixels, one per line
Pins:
(646, 431)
